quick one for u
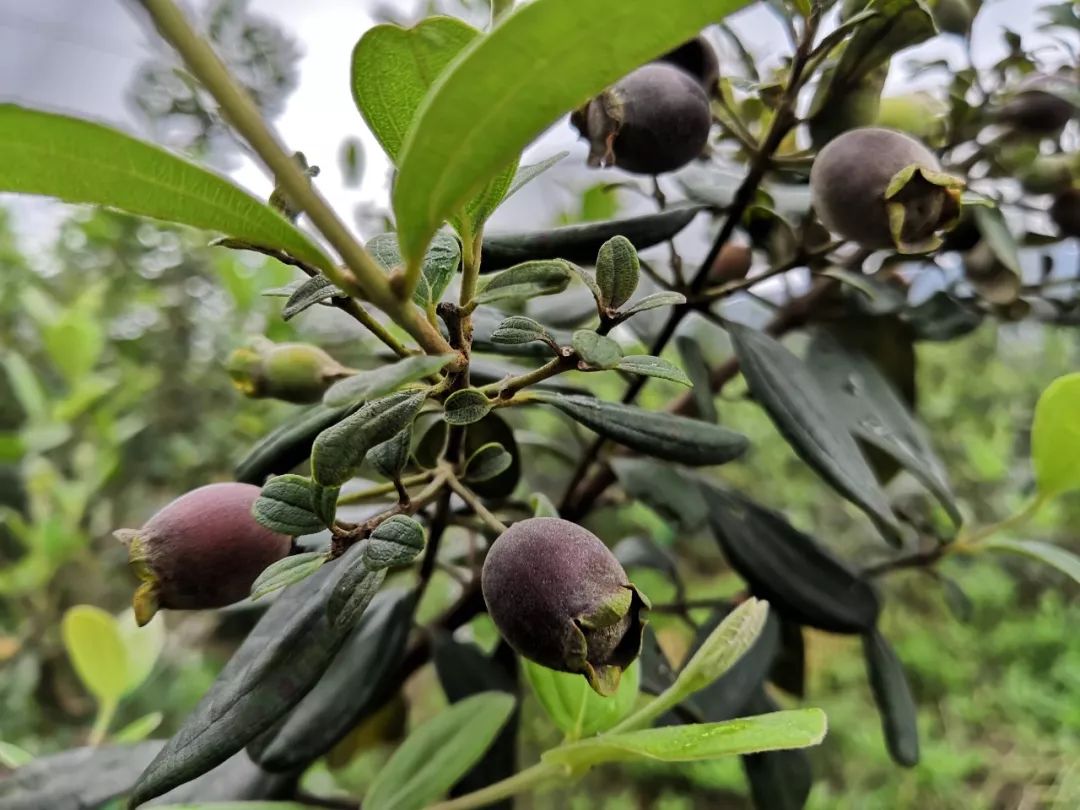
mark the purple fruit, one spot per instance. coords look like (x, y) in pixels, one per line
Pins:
(884, 189)
(1066, 212)
(203, 550)
(1041, 106)
(697, 58)
(654, 120)
(560, 598)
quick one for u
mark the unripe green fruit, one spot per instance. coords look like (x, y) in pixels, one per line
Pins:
(918, 114)
(1048, 174)
(883, 189)
(697, 58)
(560, 598)
(293, 372)
(654, 120)
(203, 550)
(1066, 212)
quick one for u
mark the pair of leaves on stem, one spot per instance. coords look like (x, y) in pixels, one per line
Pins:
(601, 353)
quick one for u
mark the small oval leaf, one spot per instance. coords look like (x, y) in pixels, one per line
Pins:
(487, 462)
(295, 505)
(1055, 437)
(398, 540)
(595, 350)
(96, 650)
(649, 366)
(617, 271)
(466, 406)
(526, 280)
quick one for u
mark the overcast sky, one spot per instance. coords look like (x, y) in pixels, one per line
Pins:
(78, 56)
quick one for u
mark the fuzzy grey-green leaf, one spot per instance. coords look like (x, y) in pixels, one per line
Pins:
(466, 406)
(398, 540)
(660, 299)
(518, 329)
(487, 462)
(384, 380)
(391, 457)
(526, 280)
(617, 271)
(316, 290)
(440, 263)
(650, 366)
(339, 450)
(286, 572)
(595, 350)
(294, 505)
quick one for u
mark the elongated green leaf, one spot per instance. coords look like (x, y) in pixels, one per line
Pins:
(767, 732)
(525, 281)
(384, 380)
(893, 698)
(278, 663)
(440, 263)
(669, 491)
(1055, 437)
(487, 462)
(662, 435)
(723, 646)
(650, 366)
(595, 350)
(660, 299)
(83, 162)
(286, 572)
(697, 371)
(526, 174)
(800, 579)
(1062, 559)
(574, 706)
(295, 505)
(316, 290)
(580, 243)
(96, 650)
(339, 450)
(440, 751)
(727, 696)
(875, 413)
(466, 406)
(354, 686)
(540, 62)
(808, 419)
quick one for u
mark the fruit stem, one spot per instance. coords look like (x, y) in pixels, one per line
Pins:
(363, 278)
(527, 779)
(474, 503)
(105, 713)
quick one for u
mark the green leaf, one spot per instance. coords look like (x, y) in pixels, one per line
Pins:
(800, 579)
(441, 262)
(526, 281)
(650, 366)
(595, 350)
(295, 505)
(518, 329)
(352, 688)
(25, 386)
(487, 462)
(660, 299)
(574, 706)
(287, 445)
(396, 541)
(246, 805)
(893, 698)
(580, 243)
(316, 290)
(392, 456)
(97, 651)
(767, 732)
(1062, 559)
(617, 271)
(875, 413)
(466, 406)
(113, 169)
(392, 70)
(723, 647)
(590, 282)
(139, 729)
(526, 174)
(143, 646)
(339, 450)
(778, 779)
(493, 428)
(12, 756)
(533, 63)
(697, 371)
(385, 379)
(807, 418)
(662, 435)
(279, 661)
(667, 490)
(286, 572)
(437, 753)
(542, 505)
(1055, 437)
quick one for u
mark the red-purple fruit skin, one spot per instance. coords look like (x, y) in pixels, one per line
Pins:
(660, 116)
(697, 58)
(540, 576)
(205, 549)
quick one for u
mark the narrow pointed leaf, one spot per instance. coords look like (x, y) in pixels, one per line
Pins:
(533, 63)
(662, 435)
(660, 299)
(650, 366)
(384, 380)
(807, 418)
(724, 646)
(526, 281)
(439, 752)
(284, 573)
(289, 444)
(316, 290)
(697, 370)
(526, 174)
(893, 698)
(83, 162)
(1062, 559)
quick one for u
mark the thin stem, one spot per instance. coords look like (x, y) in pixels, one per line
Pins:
(474, 503)
(364, 278)
(1010, 522)
(105, 713)
(508, 387)
(527, 779)
(380, 490)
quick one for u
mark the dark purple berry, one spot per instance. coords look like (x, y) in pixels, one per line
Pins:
(697, 58)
